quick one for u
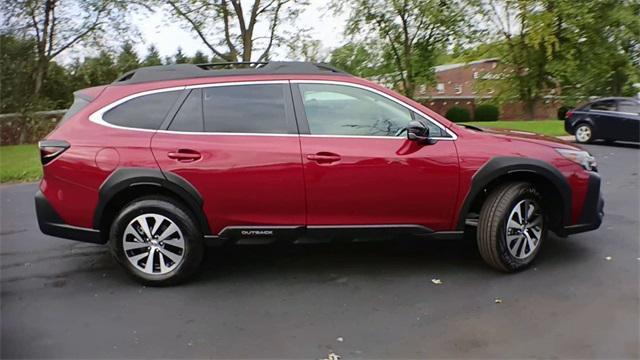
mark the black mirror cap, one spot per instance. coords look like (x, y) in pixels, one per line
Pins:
(418, 131)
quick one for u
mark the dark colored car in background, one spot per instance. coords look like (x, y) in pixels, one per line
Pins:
(608, 119)
(169, 158)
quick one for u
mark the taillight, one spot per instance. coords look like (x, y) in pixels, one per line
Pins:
(569, 113)
(51, 149)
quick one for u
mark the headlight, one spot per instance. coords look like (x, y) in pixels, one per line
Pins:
(582, 158)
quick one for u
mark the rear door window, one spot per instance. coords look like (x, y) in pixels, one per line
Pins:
(255, 108)
(143, 112)
(604, 105)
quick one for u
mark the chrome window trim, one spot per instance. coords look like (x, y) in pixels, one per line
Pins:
(97, 116)
(407, 106)
(614, 112)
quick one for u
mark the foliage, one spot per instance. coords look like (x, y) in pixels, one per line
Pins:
(199, 58)
(458, 114)
(563, 110)
(19, 163)
(356, 59)
(153, 57)
(486, 112)
(127, 59)
(56, 26)
(558, 47)
(411, 34)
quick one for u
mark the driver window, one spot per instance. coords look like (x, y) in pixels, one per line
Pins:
(347, 110)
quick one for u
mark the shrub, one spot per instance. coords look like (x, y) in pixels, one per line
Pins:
(562, 111)
(458, 114)
(486, 112)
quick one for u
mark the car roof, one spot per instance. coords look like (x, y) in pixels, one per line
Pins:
(190, 71)
(614, 98)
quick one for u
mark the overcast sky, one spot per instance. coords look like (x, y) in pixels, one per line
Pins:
(167, 34)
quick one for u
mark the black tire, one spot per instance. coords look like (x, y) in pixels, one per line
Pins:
(174, 211)
(584, 139)
(492, 226)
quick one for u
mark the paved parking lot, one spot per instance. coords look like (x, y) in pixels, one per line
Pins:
(375, 300)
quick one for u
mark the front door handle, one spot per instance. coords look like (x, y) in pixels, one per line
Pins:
(324, 157)
(184, 155)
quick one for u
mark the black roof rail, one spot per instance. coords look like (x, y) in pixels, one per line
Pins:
(188, 71)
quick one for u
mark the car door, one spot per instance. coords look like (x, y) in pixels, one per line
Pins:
(629, 110)
(238, 145)
(359, 167)
(608, 123)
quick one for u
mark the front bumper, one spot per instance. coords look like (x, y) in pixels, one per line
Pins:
(592, 210)
(50, 223)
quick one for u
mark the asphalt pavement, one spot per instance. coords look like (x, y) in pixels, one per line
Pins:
(67, 299)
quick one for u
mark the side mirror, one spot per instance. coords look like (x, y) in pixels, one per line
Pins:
(418, 131)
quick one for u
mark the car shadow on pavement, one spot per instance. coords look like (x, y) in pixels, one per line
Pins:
(628, 145)
(393, 256)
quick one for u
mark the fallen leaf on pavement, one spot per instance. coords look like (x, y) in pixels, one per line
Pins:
(436, 281)
(498, 301)
(608, 258)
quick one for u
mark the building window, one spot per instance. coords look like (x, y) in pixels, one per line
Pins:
(440, 88)
(457, 88)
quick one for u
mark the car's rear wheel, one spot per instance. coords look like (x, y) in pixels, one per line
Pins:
(156, 241)
(584, 133)
(511, 227)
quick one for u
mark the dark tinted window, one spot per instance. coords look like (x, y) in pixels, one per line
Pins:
(629, 106)
(347, 110)
(144, 112)
(189, 117)
(246, 109)
(607, 105)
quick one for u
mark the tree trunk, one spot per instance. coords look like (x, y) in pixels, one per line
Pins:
(40, 74)
(530, 109)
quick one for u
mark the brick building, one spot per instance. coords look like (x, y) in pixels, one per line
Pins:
(457, 85)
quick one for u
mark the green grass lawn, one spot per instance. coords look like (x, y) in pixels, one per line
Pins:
(19, 163)
(545, 127)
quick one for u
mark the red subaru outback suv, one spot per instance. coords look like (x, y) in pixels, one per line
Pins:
(169, 158)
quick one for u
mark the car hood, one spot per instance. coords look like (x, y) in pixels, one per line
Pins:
(531, 137)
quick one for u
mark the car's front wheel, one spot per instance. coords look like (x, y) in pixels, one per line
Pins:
(156, 241)
(511, 227)
(584, 133)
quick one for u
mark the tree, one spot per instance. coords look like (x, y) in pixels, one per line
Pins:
(410, 33)
(355, 59)
(199, 58)
(58, 25)
(229, 31)
(153, 57)
(95, 71)
(127, 58)
(179, 57)
(548, 46)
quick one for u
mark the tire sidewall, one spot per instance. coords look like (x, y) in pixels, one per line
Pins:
(511, 262)
(192, 239)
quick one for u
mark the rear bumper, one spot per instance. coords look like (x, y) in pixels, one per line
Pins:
(568, 127)
(50, 223)
(592, 210)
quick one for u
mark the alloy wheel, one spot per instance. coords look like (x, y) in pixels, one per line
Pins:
(524, 228)
(153, 244)
(583, 133)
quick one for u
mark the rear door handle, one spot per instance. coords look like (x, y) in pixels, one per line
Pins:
(185, 155)
(324, 157)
